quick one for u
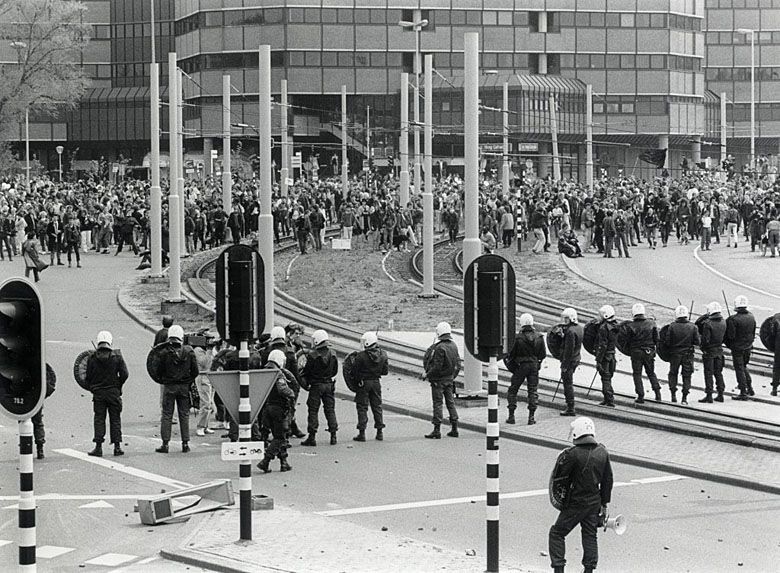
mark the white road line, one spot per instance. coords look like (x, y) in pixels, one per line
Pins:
(123, 468)
(52, 551)
(73, 497)
(384, 268)
(728, 278)
(472, 499)
(134, 566)
(4, 542)
(289, 268)
(111, 559)
(101, 504)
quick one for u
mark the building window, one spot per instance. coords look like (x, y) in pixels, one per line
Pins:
(627, 21)
(627, 108)
(313, 59)
(489, 18)
(554, 22)
(297, 59)
(520, 19)
(554, 64)
(445, 105)
(473, 18)
(533, 63)
(627, 61)
(598, 107)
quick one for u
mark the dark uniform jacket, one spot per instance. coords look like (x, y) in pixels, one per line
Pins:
(178, 365)
(321, 367)
(713, 330)
(587, 464)
(740, 330)
(572, 344)
(528, 347)
(370, 364)
(282, 394)
(606, 338)
(106, 370)
(442, 361)
(290, 363)
(682, 336)
(642, 333)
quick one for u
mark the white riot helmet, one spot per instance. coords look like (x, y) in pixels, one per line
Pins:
(741, 302)
(607, 312)
(582, 426)
(277, 333)
(176, 332)
(526, 319)
(319, 337)
(278, 358)
(714, 308)
(638, 309)
(681, 311)
(104, 337)
(443, 328)
(569, 315)
(368, 339)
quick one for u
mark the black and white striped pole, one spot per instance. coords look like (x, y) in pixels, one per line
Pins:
(244, 435)
(489, 332)
(27, 537)
(492, 466)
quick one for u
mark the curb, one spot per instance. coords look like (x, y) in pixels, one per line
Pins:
(129, 312)
(639, 461)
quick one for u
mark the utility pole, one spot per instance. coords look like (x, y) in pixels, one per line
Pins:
(344, 160)
(427, 191)
(180, 162)
(417, 29)
(285, 173)
(174, 272)
(368, 143)
(589, 136)
(265, 239)
(472, 247)
(155, 198)
(723, 154)
(404, 141)
(554, 128)
(505, 165)
(227, 177)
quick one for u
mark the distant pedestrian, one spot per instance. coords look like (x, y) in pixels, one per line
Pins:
(206, 407)
(442, 366)
(368, 368)
(106, 375)
(317, 378)
(32, 260)
(523, 361)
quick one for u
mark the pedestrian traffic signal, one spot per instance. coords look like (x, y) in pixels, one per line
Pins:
(22, 360)
(240, 294)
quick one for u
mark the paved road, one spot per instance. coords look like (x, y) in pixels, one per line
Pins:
(705, 527)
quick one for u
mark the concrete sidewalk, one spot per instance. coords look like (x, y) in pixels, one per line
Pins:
(288, 540)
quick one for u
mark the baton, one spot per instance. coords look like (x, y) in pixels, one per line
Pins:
(690, 311)
(556, 389)
(726, 301)
(592, 381)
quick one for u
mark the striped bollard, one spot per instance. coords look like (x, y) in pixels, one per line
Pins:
(244, 435)
(26, 498)
(492, 467)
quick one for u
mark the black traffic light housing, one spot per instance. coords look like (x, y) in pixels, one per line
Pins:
(22, 360)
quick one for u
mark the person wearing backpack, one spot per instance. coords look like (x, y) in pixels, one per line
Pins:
(367, 370)
(106, 374)
(317, 379)
(606, 340)
(523, 361)
(442, 365)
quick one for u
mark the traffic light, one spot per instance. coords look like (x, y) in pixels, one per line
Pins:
(22, 360)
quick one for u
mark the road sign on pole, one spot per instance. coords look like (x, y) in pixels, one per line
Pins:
(240, 294)
(489, 332)
(225, 383)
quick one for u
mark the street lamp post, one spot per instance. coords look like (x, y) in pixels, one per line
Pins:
(59, 150)
(752, 93)
(19, 46)
(417, 26)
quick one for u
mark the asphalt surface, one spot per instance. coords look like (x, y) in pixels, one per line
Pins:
(674, 524)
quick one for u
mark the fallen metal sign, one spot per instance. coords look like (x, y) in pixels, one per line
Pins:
(239, 451)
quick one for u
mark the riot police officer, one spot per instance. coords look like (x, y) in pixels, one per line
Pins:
(106, 374)
(317, 379)
(278, 342)
(641, 340)
(681, 338)
(740, 333)
(369, 366)
(712, 329)
(276, 412)
(570, 356)
(605, 353)
(442, 365)
(524, 361)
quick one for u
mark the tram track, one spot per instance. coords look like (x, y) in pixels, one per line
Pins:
(407, 359)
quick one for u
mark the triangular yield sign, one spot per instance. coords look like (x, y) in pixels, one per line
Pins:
(225, 383)
(96, 505)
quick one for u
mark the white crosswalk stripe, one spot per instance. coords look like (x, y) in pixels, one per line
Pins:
(111, 559)
(4, 542)
(52, 551)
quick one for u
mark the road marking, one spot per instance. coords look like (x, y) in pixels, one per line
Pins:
(111, 559)
(384, 268)
(4, 542)
(728, 278)
(72, 497)
(472, 499)
(123, 468)
(97, 505)
(289, 268)
(52, 551)
(134, 566)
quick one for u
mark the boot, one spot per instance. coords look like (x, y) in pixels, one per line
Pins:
(310, 441)
(531, 419)
(684, 398)
(657, 395)
(284, 466)
(185, 447)
(674, 396)
(40, 451)
(163, 449)
(558, 569)
(118, 450)
(97, 451)
(435, 434)
(379, 435)
(263, 465)
(707, 399)
(719, 397)
(511, 418)
(741, 397)
(453, 433)
(774, 391)
(569, 411)
(333, 440)
(361, 437)
(296, 431)
(639, 400)
(750, 391)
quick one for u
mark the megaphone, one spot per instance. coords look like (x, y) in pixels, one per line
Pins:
(617, 524)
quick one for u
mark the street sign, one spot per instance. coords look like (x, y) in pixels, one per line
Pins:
(225, 383)
(214, 153)
(240, 294)
(296, 161)
(22, 360)
(489, 307)
(528, 147)
(239, 451)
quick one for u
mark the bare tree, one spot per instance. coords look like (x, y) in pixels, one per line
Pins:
(48, 36)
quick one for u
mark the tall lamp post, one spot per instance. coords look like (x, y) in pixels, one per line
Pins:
(752, 93)
(59, 150)
(19, 46)
(417, 26)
